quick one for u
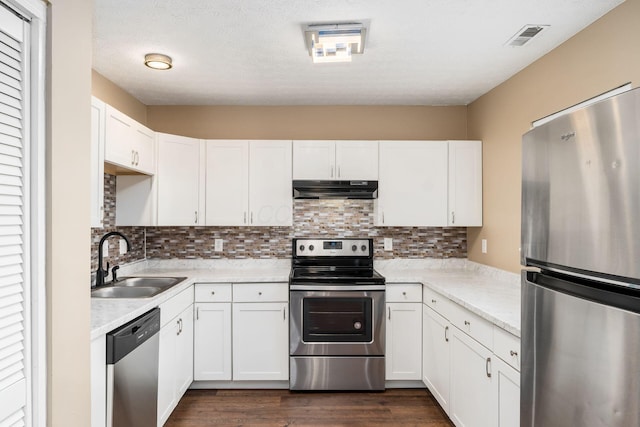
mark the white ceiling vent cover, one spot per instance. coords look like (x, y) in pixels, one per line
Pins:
(525, 34)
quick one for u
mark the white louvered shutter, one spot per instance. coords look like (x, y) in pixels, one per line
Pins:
(13, 220)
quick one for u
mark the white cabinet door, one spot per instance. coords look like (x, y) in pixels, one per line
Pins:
(178, 180)
(98, 116)
(212, 342)
(412, 183)
(175, 362)
(473, 397)
(184, 350)
(144, 143)
(227, 183)
(403, 356)
(270, 194)
(314, 160)
(465, 183)
(357, 160)
(167, 360)
(436, 355)
(118, 138)
(508, 392)
(99, 381)
(260, 341)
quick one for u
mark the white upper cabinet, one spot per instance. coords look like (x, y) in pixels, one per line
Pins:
(465, 183)
(412, 189)
(180, 199)
(98, 111)
(270, 191)
(128, 144)
(227, 183)
(335, 160)
(249, 183)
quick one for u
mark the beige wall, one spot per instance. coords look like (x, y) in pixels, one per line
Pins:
(599, 58)
(307, 122)
(67, 216)
(115, 96)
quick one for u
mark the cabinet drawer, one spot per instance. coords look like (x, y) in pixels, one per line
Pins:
(506, 346)
(404, 292)
(176, 305)
(473, 325)
(213, 292)
(439, 303)
(260, 292)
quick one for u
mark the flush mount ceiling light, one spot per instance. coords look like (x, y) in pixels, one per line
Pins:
(334, 42)
(157, 61)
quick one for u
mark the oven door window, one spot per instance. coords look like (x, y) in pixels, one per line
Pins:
(334, 319)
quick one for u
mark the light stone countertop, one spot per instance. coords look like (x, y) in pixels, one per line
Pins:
(491, 293)
(108, 314)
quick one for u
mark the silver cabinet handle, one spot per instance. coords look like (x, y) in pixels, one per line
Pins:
(196, 216)
(179, 323)
(133, 157)
(213, 292)
(137, 158)
(446, 329)
(453, 217)
(467, 323)
(284, 313)
(404, 293)
(383, 217)
(252, 217)
(389, 309)
(488, 366)
(244, 220)
(260, 293)
(331, 176)
(197, 313)
(433, 301)
(513, 353)
(338, 171)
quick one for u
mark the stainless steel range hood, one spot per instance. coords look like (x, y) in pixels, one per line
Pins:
(312, 189)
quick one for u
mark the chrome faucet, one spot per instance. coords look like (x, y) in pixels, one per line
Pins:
(101, 273)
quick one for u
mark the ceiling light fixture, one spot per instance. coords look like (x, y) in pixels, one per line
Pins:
(157, 61)
(334, 42)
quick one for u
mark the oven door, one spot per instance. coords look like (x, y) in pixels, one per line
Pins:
(337, 322)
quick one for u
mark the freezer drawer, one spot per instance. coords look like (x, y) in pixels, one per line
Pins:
(580, 364)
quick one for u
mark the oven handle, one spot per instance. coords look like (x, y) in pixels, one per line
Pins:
(310, 287)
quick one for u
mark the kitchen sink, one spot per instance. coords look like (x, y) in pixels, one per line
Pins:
(136, 287)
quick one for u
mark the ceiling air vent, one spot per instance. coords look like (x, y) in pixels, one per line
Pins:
(525, 34)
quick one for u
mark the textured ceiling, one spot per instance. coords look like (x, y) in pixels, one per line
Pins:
(252, 52)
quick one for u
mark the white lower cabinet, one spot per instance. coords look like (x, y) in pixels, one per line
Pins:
(261, 341)
(99, 381)
(462, 365)
(175, 362)
(436, 355)
(212, 332)
(403, 352)
(473, 400)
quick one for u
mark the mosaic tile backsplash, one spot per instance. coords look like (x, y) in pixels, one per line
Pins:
(311, 218)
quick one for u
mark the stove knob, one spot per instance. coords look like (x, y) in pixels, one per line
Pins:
(363, 247)
(310, 247)
(354, 248)
(301, 248)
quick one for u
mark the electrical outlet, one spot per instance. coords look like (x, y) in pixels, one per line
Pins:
(123, 247)
(388, 244)
(105, 250)
(217, 246)
(484, 246)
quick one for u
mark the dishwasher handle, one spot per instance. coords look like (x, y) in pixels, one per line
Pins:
(128, 337)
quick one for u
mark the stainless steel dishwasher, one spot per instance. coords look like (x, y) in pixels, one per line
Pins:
(132, 372)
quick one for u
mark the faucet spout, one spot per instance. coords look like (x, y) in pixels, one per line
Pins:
(101, 273)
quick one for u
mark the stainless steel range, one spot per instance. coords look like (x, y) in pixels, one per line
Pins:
(336, 338)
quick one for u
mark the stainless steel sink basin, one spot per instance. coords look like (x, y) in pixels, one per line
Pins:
(136, 287)
(126, 292)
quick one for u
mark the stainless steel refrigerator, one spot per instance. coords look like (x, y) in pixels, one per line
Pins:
(581, 229)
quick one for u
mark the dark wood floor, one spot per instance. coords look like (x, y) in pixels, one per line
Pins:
(395, 407)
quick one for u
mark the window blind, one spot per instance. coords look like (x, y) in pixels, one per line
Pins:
(13, 220)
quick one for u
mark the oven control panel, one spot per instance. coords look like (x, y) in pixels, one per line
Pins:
(332, 247)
